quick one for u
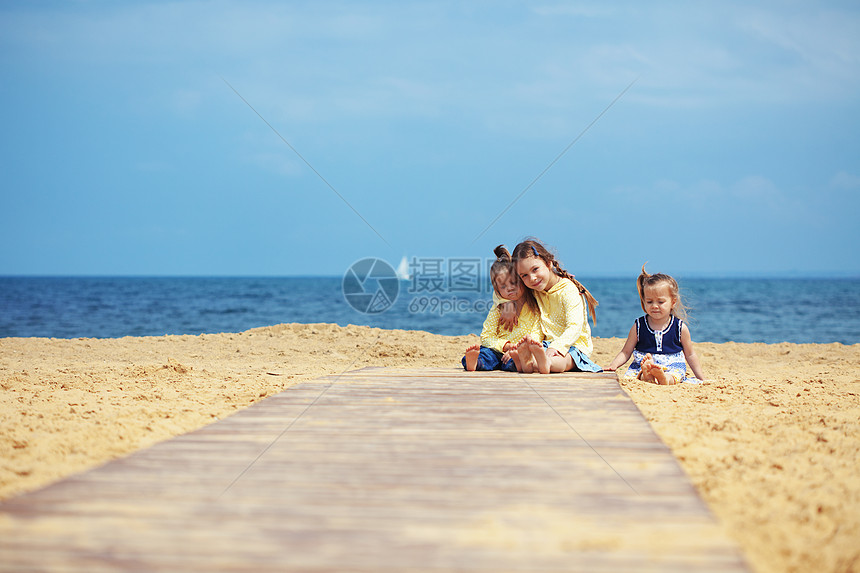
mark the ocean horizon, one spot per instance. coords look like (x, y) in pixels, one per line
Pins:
(767, 309)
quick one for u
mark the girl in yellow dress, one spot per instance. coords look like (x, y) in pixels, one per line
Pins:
(497, 350)
(564, 308)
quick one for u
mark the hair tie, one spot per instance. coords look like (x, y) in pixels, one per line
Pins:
(534, 250)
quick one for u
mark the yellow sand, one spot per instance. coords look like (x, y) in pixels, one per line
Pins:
(772, 441)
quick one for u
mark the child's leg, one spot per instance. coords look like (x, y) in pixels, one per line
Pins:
(560, 363)
(662, 377)
(506, 361)
(653, 372)
(542, 361)
(527, 362)
(515, 356)
(470, 361)
(645, 374)
(488, 359)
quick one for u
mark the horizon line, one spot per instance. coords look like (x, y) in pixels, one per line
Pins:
(601, 276)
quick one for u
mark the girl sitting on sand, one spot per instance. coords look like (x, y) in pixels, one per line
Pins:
(659, 341)
(564, 306)
(497, 348)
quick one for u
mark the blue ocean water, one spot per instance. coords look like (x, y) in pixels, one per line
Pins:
(740, 310)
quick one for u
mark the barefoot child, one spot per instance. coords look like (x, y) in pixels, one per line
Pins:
(659, 341)
(497, 348)
(564, 306)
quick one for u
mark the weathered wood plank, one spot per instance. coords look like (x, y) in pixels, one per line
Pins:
(384, 469)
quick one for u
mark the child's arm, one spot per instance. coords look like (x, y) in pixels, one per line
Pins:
(690, 352)
(508, 316)
(626, 350)
(507, 311)
(573, 308)
(490, 332)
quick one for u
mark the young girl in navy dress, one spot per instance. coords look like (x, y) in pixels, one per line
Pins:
(659, 341)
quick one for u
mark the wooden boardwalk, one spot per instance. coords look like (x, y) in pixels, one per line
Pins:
(387, 470)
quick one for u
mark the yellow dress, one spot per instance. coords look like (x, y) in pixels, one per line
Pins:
(564, 317)
(494, 336)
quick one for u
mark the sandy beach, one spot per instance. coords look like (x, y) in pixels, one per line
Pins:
(771, 441)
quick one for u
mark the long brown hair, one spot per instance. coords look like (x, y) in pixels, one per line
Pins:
(648, 280)
(531, 248)
(505, 264)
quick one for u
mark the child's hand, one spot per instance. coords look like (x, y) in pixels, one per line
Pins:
(508, 315)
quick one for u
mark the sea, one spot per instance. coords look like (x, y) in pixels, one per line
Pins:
(769, 310)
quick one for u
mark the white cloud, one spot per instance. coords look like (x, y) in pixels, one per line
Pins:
(717, 55)
(819, 48)
(759, 190)
(712, 200)
(184, 101)
(845, 180)
(811, 54)
(510, 68)
(576, 10)
(282, 163)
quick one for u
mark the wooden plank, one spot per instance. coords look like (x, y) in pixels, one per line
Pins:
(387, 469)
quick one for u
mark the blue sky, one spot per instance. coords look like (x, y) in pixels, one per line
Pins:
(125, 152)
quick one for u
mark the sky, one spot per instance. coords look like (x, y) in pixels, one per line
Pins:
(263, 138)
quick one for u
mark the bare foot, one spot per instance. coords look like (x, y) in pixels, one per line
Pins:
(524, 353)
(653, 372)
(541, 359)
(645, 371)
(658, 375)
(517, 362)
(662, 377)
(472, 357)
